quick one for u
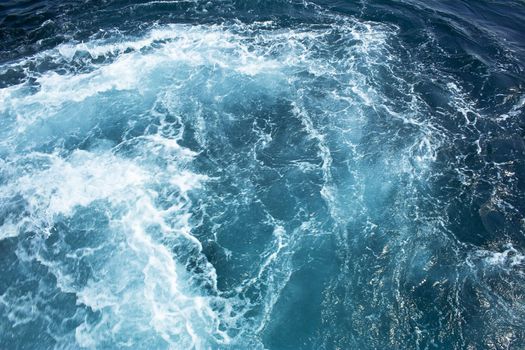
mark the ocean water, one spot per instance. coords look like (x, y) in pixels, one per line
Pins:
(275, 174)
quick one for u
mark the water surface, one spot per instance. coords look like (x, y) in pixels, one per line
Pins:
(262, 174)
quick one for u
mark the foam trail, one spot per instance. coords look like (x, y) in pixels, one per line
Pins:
(299, 182)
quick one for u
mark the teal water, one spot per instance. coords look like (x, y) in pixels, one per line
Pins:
(262, 175)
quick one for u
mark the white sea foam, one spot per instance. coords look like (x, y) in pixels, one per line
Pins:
(141, 284)
(140, 268)
(509, 257)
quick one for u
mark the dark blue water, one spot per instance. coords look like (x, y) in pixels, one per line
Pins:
(272, 174)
